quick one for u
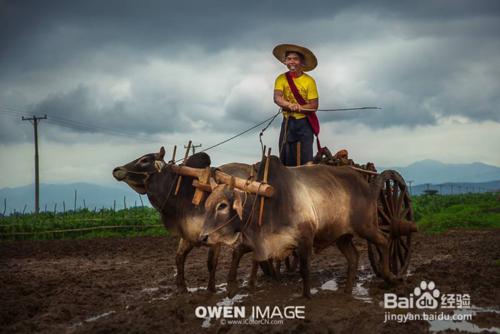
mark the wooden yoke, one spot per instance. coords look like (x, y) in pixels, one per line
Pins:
(264, 183)
(220, 177)
(201, 185)
(184, 161)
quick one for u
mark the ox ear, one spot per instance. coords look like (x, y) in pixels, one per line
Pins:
(238, 203)
(213, 184)
(160, 154)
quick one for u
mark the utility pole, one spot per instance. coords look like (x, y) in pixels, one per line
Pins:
(37, 176)
(193, 147)
(410, 182)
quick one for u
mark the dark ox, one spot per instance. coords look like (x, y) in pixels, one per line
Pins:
(150, 175)
(314, 206)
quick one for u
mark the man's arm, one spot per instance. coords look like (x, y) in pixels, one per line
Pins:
(312, 105)
(279, 99)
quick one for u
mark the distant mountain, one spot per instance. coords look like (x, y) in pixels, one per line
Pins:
(457, 187)
(447, 178)
(432, 171)
(88, 195)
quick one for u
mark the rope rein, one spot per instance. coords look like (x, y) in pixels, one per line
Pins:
(270, 120)
(148, 175)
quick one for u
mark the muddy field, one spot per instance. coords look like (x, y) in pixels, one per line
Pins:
(127, 285)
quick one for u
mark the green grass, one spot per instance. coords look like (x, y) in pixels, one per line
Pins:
(438, 213)
(105, 223)
(433, 213)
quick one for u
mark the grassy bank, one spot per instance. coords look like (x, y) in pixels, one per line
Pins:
(82, 224)
(438, 213)
(433, 213)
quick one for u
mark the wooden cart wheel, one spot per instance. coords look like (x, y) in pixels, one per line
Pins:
(395, 220)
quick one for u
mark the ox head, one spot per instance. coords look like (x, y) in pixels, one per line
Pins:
(136, 172)
(223, 215)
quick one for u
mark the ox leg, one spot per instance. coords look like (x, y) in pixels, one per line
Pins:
(287, 264)
(232, 284)
(304, 251)
(347, 248)
(305, 268)
(267, 269)
(277, 268)
(380, 240)
(253, 274)
(180, 258)
(212, 260)
(291, 266)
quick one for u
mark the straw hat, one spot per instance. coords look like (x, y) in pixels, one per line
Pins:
(310, 61)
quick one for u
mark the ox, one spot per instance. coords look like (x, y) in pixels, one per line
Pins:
(150, 175)
(314, 206)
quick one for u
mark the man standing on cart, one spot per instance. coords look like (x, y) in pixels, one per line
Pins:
(296, 93)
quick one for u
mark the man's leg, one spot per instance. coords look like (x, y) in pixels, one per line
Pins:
(282, 143)
(292, 157)
(306, 143)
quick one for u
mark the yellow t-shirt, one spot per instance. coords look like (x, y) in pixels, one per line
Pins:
(306, 86)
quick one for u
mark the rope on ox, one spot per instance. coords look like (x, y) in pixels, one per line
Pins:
(241, 133)
(200, 185)
(159, 165)
(270, 120)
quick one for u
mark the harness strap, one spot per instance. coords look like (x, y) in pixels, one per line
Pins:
(148, 175)
(312, 117)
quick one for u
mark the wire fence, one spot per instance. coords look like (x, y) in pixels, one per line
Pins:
(82, 224)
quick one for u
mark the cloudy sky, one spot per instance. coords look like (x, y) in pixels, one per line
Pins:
(118, 79)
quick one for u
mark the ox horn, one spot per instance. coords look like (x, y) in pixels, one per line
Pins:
(231, 183)
(161, 154)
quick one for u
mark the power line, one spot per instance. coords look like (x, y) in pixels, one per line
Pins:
(78, 125)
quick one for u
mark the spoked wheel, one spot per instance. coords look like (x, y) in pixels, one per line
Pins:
(395, 221)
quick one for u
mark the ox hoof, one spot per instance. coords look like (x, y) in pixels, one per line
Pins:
(182, 289)
(232, 289)
(211, 288)
(392, 279)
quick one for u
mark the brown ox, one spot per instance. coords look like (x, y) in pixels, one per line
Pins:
(314, 206)
(150, 175)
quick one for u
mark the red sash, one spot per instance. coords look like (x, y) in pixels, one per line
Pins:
(312, 118)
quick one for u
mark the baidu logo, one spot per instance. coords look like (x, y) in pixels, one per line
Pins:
(427, 295)
(425, 300)
(424, 296)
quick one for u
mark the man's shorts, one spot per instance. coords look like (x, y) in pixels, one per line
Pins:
(298, 130)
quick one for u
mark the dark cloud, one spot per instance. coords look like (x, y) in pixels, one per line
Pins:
(35, 34)
(122, 117)
(419, 60)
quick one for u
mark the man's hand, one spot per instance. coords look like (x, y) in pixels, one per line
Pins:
(295, 107)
